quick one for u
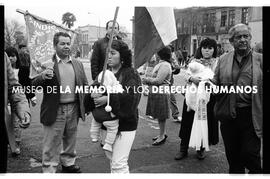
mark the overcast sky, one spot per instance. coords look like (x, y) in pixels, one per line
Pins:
(84, 15)
(102, 10)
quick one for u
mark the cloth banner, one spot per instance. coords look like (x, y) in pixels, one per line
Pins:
(154, 28)
(40, 34)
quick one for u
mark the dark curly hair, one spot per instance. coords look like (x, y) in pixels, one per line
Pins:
(57, 35)
(11, 52)
(125, 52)
(207, 42)
(116, 24)
(165, 54)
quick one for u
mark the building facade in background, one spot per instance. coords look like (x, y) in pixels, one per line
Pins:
(88, 34)
(196, 23)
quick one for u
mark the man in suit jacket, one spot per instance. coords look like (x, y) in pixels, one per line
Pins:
(240, 113)
(99, 49)
(18, 102)
(61, 108)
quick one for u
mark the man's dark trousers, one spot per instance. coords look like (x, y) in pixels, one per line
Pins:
(3, 148)
(242, 145)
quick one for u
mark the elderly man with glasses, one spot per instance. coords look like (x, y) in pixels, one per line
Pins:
(240, 114)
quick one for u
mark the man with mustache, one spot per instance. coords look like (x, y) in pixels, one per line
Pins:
(240, 114)
(60, 111)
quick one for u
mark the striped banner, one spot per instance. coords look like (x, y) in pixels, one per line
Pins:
(154, 28)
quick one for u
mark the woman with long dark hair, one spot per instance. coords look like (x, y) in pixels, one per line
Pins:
(24, 71)
(206, 55)
(120, 63)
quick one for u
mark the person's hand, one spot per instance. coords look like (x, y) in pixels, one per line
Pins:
(96, 95)
(100, 101)
(47, 73)
(144, 80)
(25, 119)
(33, 101)
(195, 80)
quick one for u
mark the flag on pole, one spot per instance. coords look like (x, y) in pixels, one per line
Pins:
(40, 34)
(154, 28)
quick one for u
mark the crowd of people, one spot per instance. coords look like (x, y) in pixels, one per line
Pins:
(239, 114)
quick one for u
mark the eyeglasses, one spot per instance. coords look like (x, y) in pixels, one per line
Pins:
(245, 36)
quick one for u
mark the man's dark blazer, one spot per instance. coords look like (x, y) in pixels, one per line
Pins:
(51, 101)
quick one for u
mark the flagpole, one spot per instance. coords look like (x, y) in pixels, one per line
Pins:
(108, 49)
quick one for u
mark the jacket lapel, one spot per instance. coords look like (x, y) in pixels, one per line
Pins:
(227, 73)
(56, 70)
(230, 65)
(257, 110)
(76, 71)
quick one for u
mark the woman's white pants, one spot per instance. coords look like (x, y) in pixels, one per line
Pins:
(121, 150)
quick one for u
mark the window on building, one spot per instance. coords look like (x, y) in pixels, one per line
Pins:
(244, 15)
(223, 18)
(231, 17)
(209, 20)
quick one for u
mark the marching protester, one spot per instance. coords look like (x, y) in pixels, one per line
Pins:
(105, 114)
(148, 68)
(175, 70)
(60, 112)
(147, 72)
(99, 49)
(158, 103)
(240, 114)
(24, 63)
(180, 57)
(19, 103)
(220, 50)
(206, 56)
(185, 56)
(13, 55)
(98, 53)
(120, 62)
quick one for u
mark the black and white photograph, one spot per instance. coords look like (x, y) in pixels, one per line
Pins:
(118, 87)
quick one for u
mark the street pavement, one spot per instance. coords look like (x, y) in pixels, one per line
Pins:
(144, 158)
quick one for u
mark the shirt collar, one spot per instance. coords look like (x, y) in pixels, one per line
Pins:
(244, 58)
(246, 54)
(60, 60)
